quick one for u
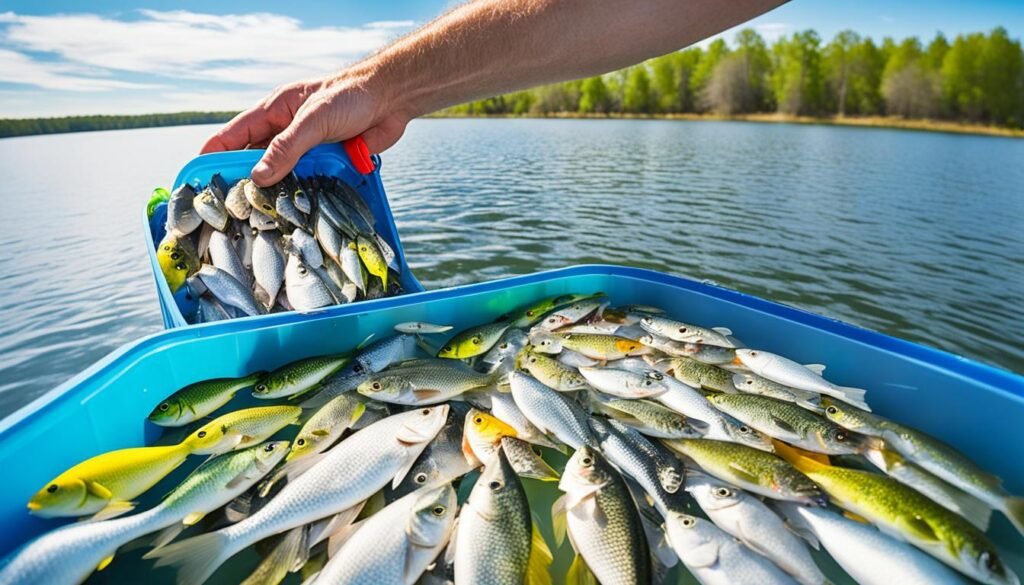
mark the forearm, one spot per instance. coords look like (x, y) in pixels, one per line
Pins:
(491, 47)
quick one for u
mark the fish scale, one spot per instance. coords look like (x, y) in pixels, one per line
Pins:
(198, 400)
(550, 411)
(660, 475)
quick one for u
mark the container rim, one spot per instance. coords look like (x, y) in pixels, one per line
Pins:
(1003, 381)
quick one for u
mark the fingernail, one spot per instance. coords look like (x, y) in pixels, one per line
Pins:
(261, 168)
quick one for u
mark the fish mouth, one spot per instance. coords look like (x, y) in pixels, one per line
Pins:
(34, 506)
(736, 361)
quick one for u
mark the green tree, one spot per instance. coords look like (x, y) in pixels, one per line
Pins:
(665, 75)
(637, 97)
(594, 97)
(840, 68)
(911, 90)
(936, 52)
(797, 78)
(756, 62)
(717, 50)
(983, 78)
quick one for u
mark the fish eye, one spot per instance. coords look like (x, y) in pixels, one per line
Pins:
(175, 255)
(657, 376)
(682, 329)
(831, 410)
(753, 353)
(270, 447)
(531, 313)
(447, 348)
(478, 420)
(267, 206)
(167, 248)
(261, 388)
(425, 411)
(376, 385)
(749, 382)
(362, 248)
(52, 488)
(302, 269)
(477, 340)
(991, 562)
(494, 485)
(688, 522)
(586, 461)
(201, 434)
(164, 407)
(236, 237)
(647, 320)
(300, 442)
(180, 266)
(255, 232)
(744, 429)
(438, 511)
(722, 492)
(532, 359)
(420, 478)
(841, 436)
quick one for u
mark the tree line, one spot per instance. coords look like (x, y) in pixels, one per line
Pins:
(28, 126)
(977, 78)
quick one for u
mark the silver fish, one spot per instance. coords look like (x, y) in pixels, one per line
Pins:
(679, 331)
(754, 384)
(503, 355)
(243, 237)
(308, 247)
(550, 411)
(369, 360)
(329, 238)
(224, 257)
(351, 265)
(441, 462)
(305, 290)
(785, 371)
(285, 207)
(236, 203)
(262, 221)
(228, 290)
(182, 218)
(268, 264)
(211, 209)
(630, 384)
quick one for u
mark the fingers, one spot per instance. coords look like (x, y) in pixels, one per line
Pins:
(383, 136)
(285, 149)
(249, 127)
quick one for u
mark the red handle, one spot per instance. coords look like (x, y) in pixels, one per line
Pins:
(359, 154)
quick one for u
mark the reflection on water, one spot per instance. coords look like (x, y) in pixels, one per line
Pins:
(914, 234)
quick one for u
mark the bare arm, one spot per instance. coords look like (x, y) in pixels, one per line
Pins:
(480, 49)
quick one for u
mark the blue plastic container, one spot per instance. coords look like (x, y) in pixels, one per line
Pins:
(976, 408)
(326, 159)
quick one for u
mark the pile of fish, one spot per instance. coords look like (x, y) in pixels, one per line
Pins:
(672, 445)
(301, 244)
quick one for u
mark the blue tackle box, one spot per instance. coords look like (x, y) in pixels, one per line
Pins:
(326, 159)
(976, 408)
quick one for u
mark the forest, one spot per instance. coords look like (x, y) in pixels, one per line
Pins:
(28, 126)
(975, 78)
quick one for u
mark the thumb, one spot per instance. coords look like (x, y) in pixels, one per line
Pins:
(285, 149)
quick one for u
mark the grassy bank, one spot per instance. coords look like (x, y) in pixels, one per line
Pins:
(864, 121)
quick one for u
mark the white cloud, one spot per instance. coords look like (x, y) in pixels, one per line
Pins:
(176, 49)
(772, 31)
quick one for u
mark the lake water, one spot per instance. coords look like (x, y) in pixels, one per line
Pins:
(914, 234)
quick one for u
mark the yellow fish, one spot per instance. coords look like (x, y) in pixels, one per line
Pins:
(178, 260)
(481, 436)
(240, 429)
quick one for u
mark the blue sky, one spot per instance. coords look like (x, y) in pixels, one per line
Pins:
(122, 56)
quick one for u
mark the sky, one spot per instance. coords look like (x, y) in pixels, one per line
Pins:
(61, 57)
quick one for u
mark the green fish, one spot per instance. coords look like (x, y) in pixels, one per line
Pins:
(299, 377)
(552, 373)
(240, 429)
(592, 345)
(756, 471)
(899, 510)
(531, 314)
(422, 382)
(325, 427)
(701, 375)
(178, 259)
(474, 341)
(933, 455)
(788, 422)
(650, 418)
(195, 401)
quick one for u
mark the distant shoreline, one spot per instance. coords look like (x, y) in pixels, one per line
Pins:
(891, 122)
(10, 128)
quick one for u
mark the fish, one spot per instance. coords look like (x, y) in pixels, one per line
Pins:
(934, 456)
(503, 406)
(496, 541)
(105, 485)
(550, 411)
(268, 264)
(244, 243)
(526, 461)
(308, 248)
(552, 373)
(225, 257)
(679, 331)
(701, 352)
(421, 327)
(903, 512)
(326, 426)
(366, 361)
(785, 371)
(502, 356)
(593, 346)
(299, 377)
(261, 200)
(601, 520)
(699, 375)
(236, 203)
(482, 436)
(285, 208)
(197, 400)
(756, 471)
(441, 462)
(178, 259)
(328, 237)
(240, 429)
(211, 209)
(397, 544)
(302, 201)
(372, 258)
(305, 289)
(754, 384)
(530, 314)
(573, 313)
(788, 422)
(69, 554)
(425, 381)
(228, 290)
(346, 475)
(182, 218)
(867, 554)
(752, 522)
(263, 222)
(650, 418)
(351, 264)
(474, 341)
(630, 384)
(657, 472)
(692, 404)
(716, 558)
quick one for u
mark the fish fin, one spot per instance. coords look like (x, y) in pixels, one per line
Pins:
(702, 555)
(854, 396)
(104, 563)
(165, 536)
(798, 526)
(402, 472)
(723, 330)
(804, 461)
(919, 527)
(113, 510)
(193, 517)
(289, 551)
(322, 530)
(537, 570)
(365, 342)
(196, 558)
(559, 520)
(357, 413)
(449, 551)
(816, 368)
(579, 573)
(855, 517)
(426, 394)
(321, 432)
(743, 473)
(99, 490)
(1013, 507)
(339, 538)
(784, 426)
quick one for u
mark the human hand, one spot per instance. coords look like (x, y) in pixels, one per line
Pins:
(298, 116)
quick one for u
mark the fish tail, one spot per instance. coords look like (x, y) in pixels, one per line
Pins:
(1014, 510)
(854, 396)
(804, 461)
(196, 558)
